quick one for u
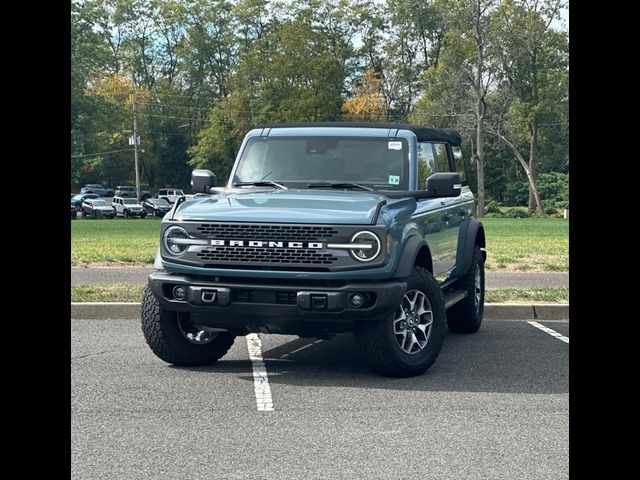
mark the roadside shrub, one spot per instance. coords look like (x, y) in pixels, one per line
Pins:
(551, 211)
(492, 207)
(516, 213)
(494, 215)
(553, 188)
(517, 193)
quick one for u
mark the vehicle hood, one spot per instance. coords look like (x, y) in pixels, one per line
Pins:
(286, 206)
(103, 207)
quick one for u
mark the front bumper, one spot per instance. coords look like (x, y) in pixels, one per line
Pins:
(303, 308)
(136, 213)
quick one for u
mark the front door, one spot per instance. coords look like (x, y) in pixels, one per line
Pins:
(437, 218)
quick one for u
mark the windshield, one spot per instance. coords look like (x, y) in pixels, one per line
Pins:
(129, 201)
(161, 202)
(379, 163)
(100, 203)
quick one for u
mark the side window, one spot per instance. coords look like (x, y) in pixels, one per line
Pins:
(442, 161)
(460, 166)
(426, 163)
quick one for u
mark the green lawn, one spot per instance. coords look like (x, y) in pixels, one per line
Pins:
(119, 292)
(522, 295)
(527, 244)
(133, 293)
(516, 244)
(117, 241)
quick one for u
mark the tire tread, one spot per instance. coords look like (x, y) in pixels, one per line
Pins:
(168, 344)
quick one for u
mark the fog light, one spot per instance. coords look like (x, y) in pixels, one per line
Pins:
(356, 300)
(179, 292)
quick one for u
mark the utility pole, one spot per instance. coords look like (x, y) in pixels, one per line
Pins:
(136, 139)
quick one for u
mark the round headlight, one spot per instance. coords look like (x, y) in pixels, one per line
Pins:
(175, 240)
(370, 246)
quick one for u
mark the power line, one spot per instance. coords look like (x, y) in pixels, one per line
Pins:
(101, 153)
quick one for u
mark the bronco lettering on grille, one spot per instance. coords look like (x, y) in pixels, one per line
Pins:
(266, 244)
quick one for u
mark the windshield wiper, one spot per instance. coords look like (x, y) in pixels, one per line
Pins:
(339, 185)
(261, 183)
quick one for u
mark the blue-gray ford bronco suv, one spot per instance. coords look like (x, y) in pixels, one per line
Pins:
(323, 228)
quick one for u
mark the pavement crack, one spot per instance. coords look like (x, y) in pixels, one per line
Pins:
(92, 354)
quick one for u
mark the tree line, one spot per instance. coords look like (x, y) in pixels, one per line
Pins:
(204, 72)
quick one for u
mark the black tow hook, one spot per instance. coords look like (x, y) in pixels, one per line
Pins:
(208, 296)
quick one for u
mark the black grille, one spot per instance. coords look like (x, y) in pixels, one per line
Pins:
(265, 296)
(287, 298)
(281, 256)
(289, 233)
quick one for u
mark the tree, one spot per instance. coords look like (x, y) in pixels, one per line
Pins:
(367, 105)
(106, 126)
(459, 84)
(534, 65)
(221, 138)
(210, 70)
(415, 36)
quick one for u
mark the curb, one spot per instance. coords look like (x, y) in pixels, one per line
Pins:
(492, 311)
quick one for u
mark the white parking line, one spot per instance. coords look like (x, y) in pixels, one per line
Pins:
(264, 402)
(301, 348)
(553, 333)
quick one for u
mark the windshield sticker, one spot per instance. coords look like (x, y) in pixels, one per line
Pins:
(395, 145)
(394, 180)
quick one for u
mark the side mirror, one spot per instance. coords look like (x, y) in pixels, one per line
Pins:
(202, 180)
(444, 184)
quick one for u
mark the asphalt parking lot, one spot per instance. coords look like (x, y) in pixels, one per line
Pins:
(495, 405)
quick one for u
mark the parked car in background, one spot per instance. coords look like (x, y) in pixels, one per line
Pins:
(171, 195)
(156, 206)
(128, 191)
(97, 188)
(76, 200)
(128, 207)
(97, 207)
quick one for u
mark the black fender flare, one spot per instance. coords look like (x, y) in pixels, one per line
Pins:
(469, 231)
(409, 254)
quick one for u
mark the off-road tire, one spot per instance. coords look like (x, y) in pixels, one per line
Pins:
(376, 343)
(163, 335)
(466, 315)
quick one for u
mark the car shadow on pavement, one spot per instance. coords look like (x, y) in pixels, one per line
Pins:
(503, 357)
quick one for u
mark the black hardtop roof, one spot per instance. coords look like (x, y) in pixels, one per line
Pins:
(424, 134)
